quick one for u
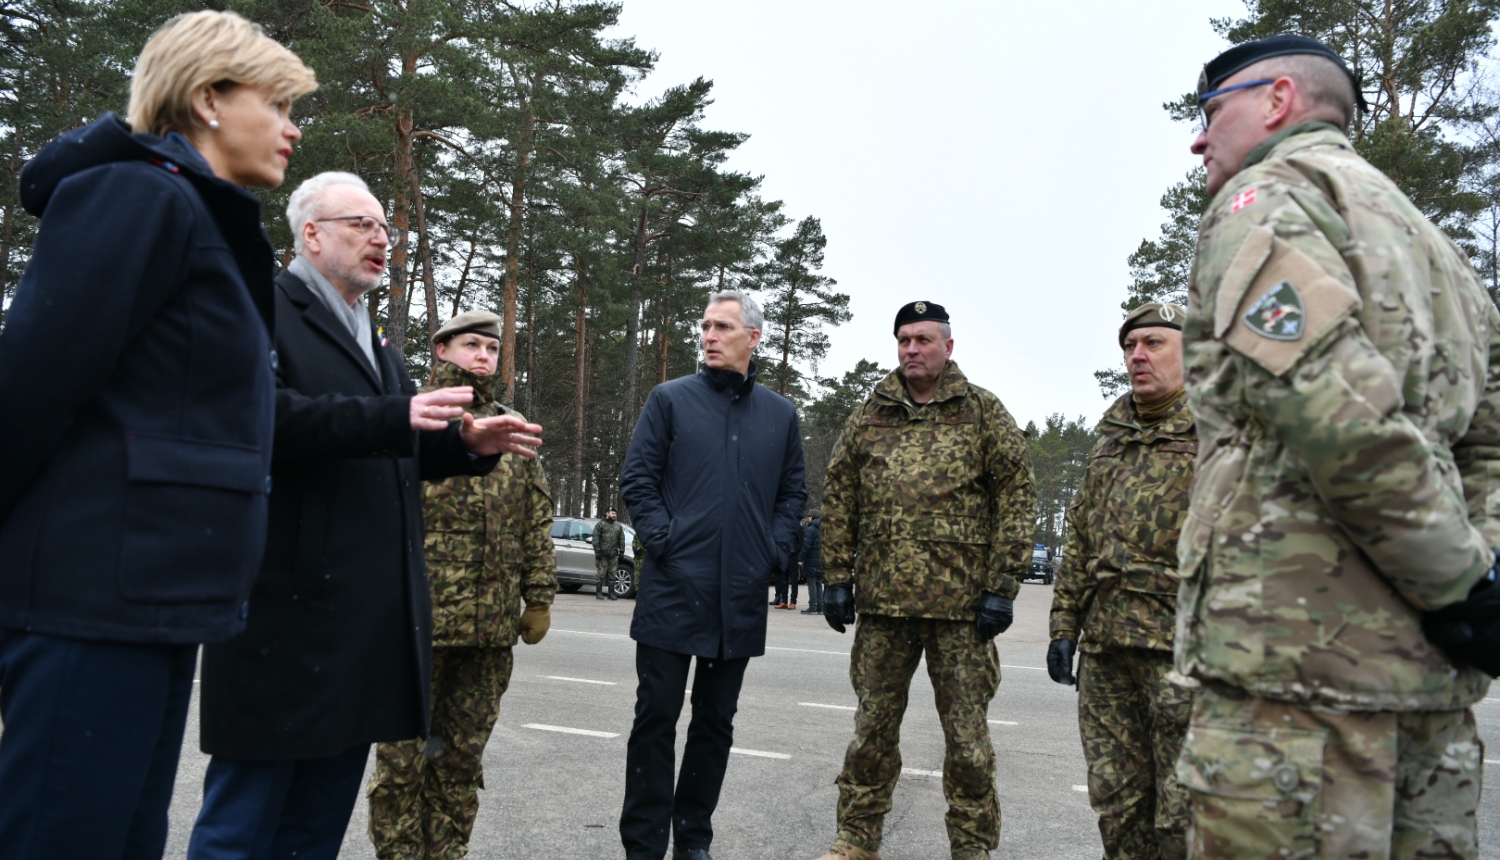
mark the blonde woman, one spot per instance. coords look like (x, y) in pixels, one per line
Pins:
(137, 379)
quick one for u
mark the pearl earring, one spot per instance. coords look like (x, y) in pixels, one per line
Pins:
(213, 123)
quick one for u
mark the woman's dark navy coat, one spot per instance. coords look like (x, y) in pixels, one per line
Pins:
(713, 481)
(136, 396)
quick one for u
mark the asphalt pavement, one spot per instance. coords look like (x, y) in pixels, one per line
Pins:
(555, 766)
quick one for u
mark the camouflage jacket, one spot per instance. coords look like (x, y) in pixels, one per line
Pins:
(1344, 371)
(488, 541)
(609, 539)
(926, 507)
(1117, 587)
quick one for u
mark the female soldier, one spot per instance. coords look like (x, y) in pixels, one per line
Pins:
(488, 548)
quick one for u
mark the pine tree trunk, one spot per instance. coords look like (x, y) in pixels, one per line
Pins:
(399, 305)
(580, 367)
(513, 253)
(424, 252)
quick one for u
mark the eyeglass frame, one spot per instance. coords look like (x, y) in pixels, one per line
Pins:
(1203, 99)
(393, 235)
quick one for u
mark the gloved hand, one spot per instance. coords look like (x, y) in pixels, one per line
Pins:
(1060, 661)
(838, 605)
(1469, 631)
(994, 615)
(535, 622)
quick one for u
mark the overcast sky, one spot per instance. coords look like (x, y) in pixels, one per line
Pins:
(1000, 159)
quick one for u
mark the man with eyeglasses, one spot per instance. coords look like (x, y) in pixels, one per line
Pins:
(337, 649)
(1338, 604)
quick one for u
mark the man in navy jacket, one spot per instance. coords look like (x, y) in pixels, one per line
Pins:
(713, 480)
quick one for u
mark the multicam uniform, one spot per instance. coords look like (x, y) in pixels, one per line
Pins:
(1344, 369)
(1116, 596)
(609, 548)
(937, 504)
(487, 549)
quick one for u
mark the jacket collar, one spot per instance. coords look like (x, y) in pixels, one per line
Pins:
(486, 388)
(322, 319)
(729, 381)
(951, 385)
(1302, 135)
(1120, 420)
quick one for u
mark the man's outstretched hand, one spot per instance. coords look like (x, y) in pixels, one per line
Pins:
(432, 410)
(502, 434)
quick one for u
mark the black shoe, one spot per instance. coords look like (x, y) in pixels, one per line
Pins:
(690, 854)
(810, 611)
(776, 602)
(612, 595)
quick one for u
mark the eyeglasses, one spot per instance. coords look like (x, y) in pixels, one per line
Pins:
(369, 226)
(1204, 97)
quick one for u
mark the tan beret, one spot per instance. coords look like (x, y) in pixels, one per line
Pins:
(482, 322)
(1153, 314)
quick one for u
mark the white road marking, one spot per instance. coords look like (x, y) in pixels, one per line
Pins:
(1033, 668)
(830, 707)
(760, 753)
(1492, 761)
(807, 650)
(915, 772)
(1004, 723)
(1082, 788)
(578, 680)
(1489, 701)
(591, 633)
(568, 730)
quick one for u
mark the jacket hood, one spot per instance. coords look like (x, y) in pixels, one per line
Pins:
(103, 141)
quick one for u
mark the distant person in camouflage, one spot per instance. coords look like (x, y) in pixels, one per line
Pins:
(1116, 596)
(928, 510)
(488, 550)
(609, 548)
(1343, 365)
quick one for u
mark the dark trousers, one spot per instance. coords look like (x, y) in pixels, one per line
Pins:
(788, 587)
(650, 804)
(814, 589)
(277, 810)
(89, 752)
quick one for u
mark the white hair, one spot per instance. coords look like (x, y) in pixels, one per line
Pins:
(750, 315)
(303, 205)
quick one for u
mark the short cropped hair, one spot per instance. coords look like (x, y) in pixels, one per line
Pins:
(750, 315)
(1325, 85)
(303, 205)
(202, 49)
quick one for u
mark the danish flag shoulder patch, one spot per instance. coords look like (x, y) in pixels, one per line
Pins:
(1242, 199)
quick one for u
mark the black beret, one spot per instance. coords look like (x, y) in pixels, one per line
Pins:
(919, 311)
(1218, 70)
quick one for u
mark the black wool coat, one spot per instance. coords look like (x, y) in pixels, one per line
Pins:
(136, 395)
(338, 648)
(713, 480)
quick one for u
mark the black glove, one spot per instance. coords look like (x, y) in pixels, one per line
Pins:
(994, 616)
(838, 605)
(1060, 661)
(1469, 631)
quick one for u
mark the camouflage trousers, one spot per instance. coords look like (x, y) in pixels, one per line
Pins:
(1271, 779)
(604, 568)
(965, 674)
(1132, 721)
(425, 793)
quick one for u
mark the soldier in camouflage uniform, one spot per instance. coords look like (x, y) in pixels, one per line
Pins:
(609, 548)
(488, 550)
(1116, 597)
(1344, 369)
(927, 517)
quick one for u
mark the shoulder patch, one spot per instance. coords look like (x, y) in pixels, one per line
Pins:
(1242, 199)
(1284, 309)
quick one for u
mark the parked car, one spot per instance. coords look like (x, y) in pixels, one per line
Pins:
(573, 542)
(1041, 566)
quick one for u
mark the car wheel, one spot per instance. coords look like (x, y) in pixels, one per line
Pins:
(624, 581)
(569, 587)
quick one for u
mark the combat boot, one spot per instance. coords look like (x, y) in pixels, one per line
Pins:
(843, 850)
(609, 589)
(598, 591)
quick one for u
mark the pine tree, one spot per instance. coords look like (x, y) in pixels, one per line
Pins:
(799, 303)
